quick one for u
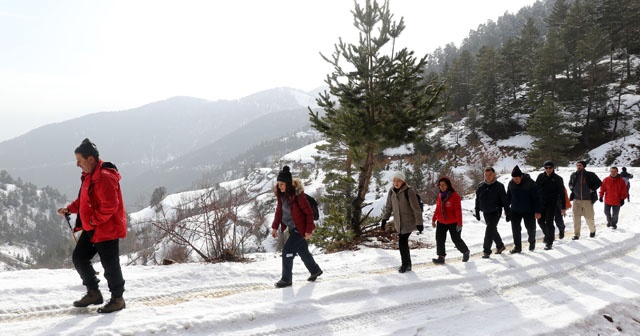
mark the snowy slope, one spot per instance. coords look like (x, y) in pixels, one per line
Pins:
(564, 291)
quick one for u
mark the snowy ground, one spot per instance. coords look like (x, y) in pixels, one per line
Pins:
(565, 291)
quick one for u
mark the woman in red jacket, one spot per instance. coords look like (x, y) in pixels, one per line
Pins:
(295, 214)
(448, 218)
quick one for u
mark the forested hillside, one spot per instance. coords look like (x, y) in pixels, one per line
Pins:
(559, 70)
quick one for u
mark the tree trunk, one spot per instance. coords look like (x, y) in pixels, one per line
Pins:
(366, 171)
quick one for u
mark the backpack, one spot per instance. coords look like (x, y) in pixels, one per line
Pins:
(406, 194)
(314, 206)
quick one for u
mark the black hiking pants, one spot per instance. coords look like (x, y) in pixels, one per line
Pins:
(491, 233)
(296, 244)
(403, 244)
(516, 228)
(109, 252)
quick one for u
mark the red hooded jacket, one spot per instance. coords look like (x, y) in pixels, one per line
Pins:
(450, 212)
(613, 189)
(301, 213)
(100, 204)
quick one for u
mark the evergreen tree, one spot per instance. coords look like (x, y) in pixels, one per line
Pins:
(552, 142)
(459, 80)
(382, 100)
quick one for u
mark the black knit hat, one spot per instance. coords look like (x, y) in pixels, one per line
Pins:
(516, 172)
(87, 149)
(583, 163)
(285, 175)
(549, 163)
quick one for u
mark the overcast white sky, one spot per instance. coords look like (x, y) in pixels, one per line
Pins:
(67, 58)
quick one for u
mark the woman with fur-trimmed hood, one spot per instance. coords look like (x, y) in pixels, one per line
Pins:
(407, 216)
(293, 213)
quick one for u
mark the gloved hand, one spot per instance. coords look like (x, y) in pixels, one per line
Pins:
(621, 202)
(383, 224)
(478, 215)
(572, 196)
(458, 228)
(420, 228)
(600, 199)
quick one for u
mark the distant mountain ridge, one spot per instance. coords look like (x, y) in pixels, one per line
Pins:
(143, 140)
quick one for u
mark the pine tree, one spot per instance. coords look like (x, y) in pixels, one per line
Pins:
(382, 100)
(552, 142)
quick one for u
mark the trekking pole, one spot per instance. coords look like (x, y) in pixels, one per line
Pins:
(67, 217)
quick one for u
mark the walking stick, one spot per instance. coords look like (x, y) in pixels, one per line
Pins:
(67, 217)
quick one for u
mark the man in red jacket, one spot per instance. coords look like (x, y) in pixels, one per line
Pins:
(614, 190)
(102, 219)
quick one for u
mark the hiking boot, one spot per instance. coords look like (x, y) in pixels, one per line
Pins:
(592, 234)
(438, 260)
(500, 249)
(93, 297)
(114, 305)
(486, 255)
(575, 238)
(561, 234)
(465, 257)
(548, 247)
(608, 224)
(282, 284)
(404, 268)
(314, 276)
(614, 227)
(514, 251)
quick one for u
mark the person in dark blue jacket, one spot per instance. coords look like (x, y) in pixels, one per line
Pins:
(551, 188)
(524, 201)
(491, 199)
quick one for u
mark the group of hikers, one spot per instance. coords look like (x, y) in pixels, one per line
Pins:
(544, 200)
(102, 218)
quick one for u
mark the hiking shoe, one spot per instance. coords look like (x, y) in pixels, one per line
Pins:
(575, 238)
(608, 224)
(514, 251)
(93, 297)
(404, 268)
(548, 247)
(561, 234)
(114, 305)
(314, 276)
(282, 284)
(500, 250)
(465, 257)
(614, 227)
(592, 234)
(439, 260)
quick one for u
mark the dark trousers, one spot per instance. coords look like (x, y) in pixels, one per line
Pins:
(441, 237)
(546, 223)
(559, 219)
(611, 212)
(516, 228)
(491, 232)
(296, 244)
(403, 244)
(109, 252)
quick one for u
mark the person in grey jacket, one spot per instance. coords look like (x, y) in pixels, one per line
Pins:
(491, 198)
(583, 185)
(407, 216)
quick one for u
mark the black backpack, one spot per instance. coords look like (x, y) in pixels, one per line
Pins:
(406, 194)
(314, 206)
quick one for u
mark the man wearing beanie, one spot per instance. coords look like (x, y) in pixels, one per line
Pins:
(524, 200)
(491, 198)
(403, 203)
(103, 221)
(583, 185)
(551, 189)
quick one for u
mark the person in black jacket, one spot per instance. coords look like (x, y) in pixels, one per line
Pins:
(551, 189)
(491, 198)
(524, 201)
(583, 185)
